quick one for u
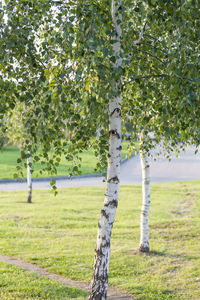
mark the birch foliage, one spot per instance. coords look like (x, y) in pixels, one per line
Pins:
(68, 49)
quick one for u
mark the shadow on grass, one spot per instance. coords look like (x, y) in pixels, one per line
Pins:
(25, 202)
(156, 253)
(165, 254)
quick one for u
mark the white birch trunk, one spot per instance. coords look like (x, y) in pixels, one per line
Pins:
(98, 133)
(29, 179)
(99, 282)
(144, 220)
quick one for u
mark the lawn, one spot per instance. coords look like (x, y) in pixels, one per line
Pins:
(59, 234)
(10, 154)
(17, 283)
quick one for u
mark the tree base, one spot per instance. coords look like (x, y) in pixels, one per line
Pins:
(29, 199)
(144, 249)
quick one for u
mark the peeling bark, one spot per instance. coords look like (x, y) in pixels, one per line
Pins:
(144, 220)
(99, 284)
(29, 180)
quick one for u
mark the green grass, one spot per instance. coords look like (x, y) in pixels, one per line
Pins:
(10, 154)
(59, 234)
(16, 283)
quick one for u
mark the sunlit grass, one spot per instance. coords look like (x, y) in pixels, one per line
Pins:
(59, 233)
(10, 154)
(16, 283)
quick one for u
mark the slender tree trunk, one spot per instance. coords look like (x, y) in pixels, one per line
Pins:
(144, 221)
(98, 133)
(99, 282)
(29, 180)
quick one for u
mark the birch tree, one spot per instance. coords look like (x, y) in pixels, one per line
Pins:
(99, 283)
(19, 132)
(169, 108)
(146, 195)
(29, 179)
(98, 49)
(162, 125)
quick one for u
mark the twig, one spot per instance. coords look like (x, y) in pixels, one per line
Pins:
(146, 77)
(157, 58)
(155, 47)
(141, 35)
(158, 76)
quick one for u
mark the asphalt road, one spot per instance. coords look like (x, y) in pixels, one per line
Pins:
(186, 167)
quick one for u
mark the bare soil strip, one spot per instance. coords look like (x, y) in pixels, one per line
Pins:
(113, 293)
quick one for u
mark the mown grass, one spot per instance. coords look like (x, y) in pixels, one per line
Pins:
(16, 283)
(59, 233)
(10, 154)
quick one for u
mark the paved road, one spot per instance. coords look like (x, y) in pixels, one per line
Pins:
(186, 167)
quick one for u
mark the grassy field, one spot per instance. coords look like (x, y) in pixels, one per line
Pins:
(16, 283)
(59, 233)
(8, 162)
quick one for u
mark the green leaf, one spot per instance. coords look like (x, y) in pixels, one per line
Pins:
(53, 182)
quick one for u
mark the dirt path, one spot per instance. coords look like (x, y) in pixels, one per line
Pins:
(113, 293)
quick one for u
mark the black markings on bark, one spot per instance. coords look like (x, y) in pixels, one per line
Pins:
(143, 212)
(147, 181)
(113, 203)
(29, 198)
(117, 110)
(116, 34)
(107, 244)
(114, 179)
(119, 148)
(114, 132)
(99, 225)
(144, 249)
(109, 155)
(98, 290)
(99, 252)
(103, 212)
(98, 297)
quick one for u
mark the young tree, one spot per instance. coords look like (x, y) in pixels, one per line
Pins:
(101, 265)
(19, 124)
(169, 111)
(94, 50)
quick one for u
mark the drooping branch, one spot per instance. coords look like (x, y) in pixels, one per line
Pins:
(155, 47)
(156, 40)
(154, 56)
(145, 77)
(141, 34)
(156, 76)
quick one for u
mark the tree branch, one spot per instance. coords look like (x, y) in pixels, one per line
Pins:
(155, 40)
(157, 58)
(157, 76)
(141, 34)
(146, 77)
(155, 47)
